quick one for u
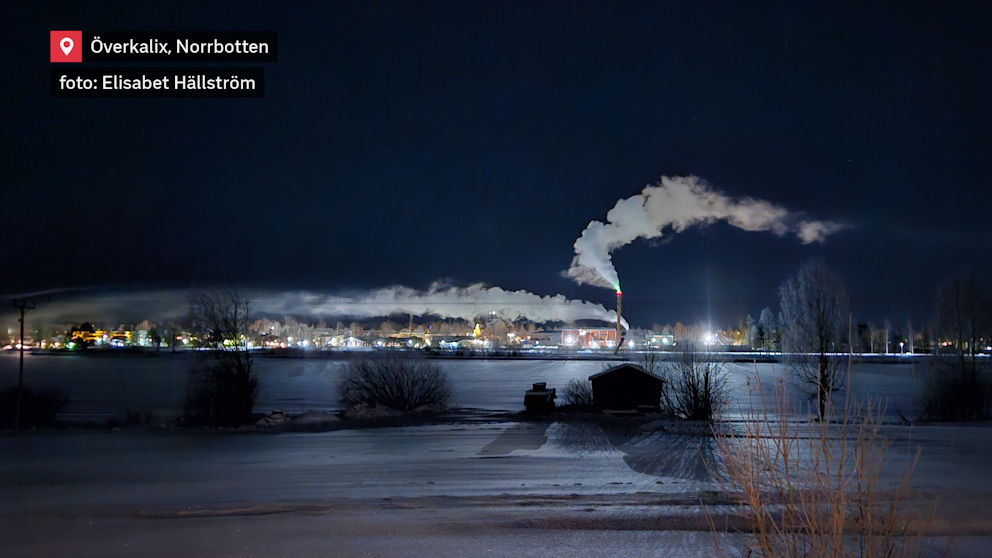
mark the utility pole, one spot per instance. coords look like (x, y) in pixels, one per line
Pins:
(24, 305)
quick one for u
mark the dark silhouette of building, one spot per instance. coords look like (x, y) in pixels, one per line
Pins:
(540, 400)
(626, 387)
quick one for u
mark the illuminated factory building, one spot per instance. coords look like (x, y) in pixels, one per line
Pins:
(589, 338)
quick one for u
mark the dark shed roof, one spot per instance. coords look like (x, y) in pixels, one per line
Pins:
(623, 366)
(626, 387)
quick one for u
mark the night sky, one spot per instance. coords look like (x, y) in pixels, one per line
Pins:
(401, 143)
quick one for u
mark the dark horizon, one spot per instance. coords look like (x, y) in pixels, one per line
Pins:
(474, 142)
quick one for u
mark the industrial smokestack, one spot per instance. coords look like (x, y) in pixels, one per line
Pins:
(619, 321)
(619, 308)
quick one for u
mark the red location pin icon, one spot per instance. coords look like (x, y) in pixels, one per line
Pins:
(66, 46)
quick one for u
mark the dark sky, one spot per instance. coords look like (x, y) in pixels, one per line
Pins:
(399, 143)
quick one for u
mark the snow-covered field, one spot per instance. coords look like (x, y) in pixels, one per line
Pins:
(501, 489)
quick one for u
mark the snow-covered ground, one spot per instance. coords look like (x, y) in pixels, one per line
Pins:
(502, 489)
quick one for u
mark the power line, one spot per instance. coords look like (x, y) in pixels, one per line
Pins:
(24, 304)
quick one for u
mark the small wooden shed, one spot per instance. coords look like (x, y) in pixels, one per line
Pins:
(540, 400)
(626, 387)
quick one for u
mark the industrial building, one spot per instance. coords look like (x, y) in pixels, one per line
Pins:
(589, 338)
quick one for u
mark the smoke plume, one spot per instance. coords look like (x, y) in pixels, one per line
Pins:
(441, 300)
(445, 301)
(679, 203)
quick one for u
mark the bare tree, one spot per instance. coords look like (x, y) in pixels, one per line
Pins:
(814, 315)
(223, 385)
(766, 325)
(224, 315)
(695, 384)
(862, 337)
(963, 315)
(959, 386)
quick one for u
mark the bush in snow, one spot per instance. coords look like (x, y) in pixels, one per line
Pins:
(577, 392)
(695, 384)
(398, 382)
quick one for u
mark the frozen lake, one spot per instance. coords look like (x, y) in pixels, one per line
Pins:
(103, 386)
(499, 488)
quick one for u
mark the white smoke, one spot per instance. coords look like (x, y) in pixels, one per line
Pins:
(467, 303)
(816, 231)
(677, 202)
(441, 300)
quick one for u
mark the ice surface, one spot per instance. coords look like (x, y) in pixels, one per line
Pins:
(104, 386)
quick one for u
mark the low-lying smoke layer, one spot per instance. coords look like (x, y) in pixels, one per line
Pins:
(445, 301)
(679, 203)
(440, 300)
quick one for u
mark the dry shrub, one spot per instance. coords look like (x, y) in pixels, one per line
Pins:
(816, 488)
(695, 384)
(577, 392)
(399, 382)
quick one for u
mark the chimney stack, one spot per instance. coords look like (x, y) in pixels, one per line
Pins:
(619, 308)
